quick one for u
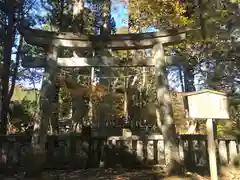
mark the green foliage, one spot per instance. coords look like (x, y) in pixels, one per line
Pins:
(23, 107)
(64, 102)
(220, 130)
(22, 113)
(160, 14)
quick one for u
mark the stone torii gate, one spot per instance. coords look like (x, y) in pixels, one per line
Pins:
(52, 41)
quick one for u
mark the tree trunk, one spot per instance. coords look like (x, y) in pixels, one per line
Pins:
(189, 79)
(91, 103)
(125, 98)
(78, 12)
(15, 69)
(55, 114)
(190, 87)
(181, 78)
(79, 107)
(104, 71)
(165, 113)
(7, 52)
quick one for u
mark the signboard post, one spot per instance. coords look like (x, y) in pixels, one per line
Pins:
(211, 149)
(208, 104)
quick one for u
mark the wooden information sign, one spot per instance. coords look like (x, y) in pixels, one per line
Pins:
(208, 104)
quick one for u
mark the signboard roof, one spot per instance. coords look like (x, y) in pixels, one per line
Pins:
(205, 91)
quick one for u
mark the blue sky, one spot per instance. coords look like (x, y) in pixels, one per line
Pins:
(119, 13)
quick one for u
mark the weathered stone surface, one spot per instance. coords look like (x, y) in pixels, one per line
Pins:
(178, 108)
(36, 62)
(67, 151)
(114, 42)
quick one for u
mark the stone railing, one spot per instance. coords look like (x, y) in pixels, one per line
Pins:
(72, 151)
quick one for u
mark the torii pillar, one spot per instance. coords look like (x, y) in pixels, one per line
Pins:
(165, 119)
(39, 137)
(49, 92)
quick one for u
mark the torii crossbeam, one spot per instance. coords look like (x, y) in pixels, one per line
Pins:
(89, 42)
(93, 42)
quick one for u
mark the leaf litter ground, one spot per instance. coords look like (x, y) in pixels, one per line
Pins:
(123, 174)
